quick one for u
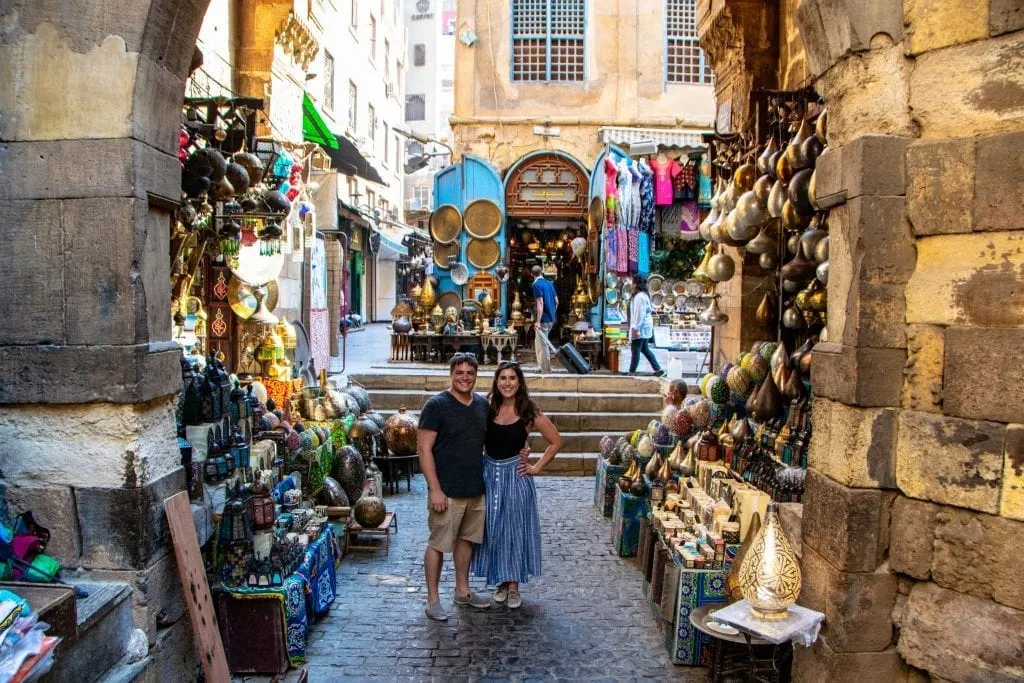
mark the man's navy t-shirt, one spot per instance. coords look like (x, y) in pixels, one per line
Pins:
(459, 446)
(543, 289)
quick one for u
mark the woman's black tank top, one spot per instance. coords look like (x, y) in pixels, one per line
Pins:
(505, 441)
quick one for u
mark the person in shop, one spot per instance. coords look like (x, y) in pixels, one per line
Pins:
(546, 315)
(511, 552)
(641, 327)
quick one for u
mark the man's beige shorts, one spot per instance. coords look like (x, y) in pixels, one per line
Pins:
(464, 518)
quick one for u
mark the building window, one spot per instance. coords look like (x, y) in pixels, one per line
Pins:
(328, 81)
(419, 54)
(371, 199)
(373, 38)
(548, 40)
(353, 103)
(387, 142)
(387, 61)
(371, 126)
(684, 60)
(398, 154)
(415, 107)
(353, 19)
(422, 195)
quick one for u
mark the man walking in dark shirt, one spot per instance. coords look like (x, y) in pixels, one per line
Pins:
(453, 426)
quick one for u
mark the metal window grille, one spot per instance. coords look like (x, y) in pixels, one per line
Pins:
(353, 104)
(685, 62)
(328, 81)
(548, 40)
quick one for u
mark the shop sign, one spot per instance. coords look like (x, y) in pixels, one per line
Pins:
(548, 194)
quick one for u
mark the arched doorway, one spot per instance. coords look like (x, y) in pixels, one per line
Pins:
(546, 195)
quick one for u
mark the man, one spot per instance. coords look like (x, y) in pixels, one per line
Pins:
(453, 427)
(675, 392)
(547, 307)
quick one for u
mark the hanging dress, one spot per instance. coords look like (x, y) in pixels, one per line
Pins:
(611, 193)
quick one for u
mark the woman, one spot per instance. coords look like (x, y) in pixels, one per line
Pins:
(510, 553)
(641, 327)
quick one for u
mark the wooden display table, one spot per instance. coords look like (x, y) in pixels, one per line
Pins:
(383, 530)
(400, 346)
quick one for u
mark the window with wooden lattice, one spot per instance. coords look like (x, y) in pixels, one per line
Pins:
(547, 185)
(685, 62)
(548, 40)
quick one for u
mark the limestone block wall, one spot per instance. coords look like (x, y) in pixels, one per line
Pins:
(913, 516)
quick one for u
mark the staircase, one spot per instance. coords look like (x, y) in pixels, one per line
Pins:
(583, 408)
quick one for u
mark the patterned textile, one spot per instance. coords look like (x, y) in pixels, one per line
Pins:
(664, 171)
(687, 645)
(633, 255)
(704, 192)
(511, 550)
(316, 576)
(606, 483)
(278, 390)
(689, 221)
(627, 212)
(646, 223)
(611, 192)
(635, 197)
(628, 512)
(621, 251)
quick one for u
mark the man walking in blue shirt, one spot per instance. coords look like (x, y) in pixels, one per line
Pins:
(547, 306)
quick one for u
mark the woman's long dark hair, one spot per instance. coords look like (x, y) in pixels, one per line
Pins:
(640, 284)
(525, 407)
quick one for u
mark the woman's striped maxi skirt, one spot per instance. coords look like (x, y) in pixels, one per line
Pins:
(511, 547)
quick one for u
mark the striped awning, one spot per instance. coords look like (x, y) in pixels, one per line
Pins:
(673, 138)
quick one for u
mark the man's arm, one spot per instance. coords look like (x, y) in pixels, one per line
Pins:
(425, 446)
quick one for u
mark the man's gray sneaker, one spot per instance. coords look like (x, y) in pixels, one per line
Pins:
(436, 612)
(473, 600)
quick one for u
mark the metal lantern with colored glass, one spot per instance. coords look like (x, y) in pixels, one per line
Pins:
(235, 527)
(263, 512)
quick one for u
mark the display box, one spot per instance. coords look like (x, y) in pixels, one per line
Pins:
(686, 645)
(628, 511)
(606, 478)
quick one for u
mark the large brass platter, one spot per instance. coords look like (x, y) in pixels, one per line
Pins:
(483, 253)
(450, 300)
(482, 219)
(445, 224)
(442, 252)
(243, 301)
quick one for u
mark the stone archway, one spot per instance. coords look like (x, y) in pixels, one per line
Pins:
(90, 100)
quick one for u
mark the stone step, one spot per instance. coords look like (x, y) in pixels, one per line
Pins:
(104, 628)
(570, 465)
(438, 380)
(392, 399)
(573, 442)
(620, 422)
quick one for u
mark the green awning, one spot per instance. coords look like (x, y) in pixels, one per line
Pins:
(314, 128)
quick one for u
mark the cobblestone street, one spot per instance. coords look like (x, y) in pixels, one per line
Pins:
(585, 619)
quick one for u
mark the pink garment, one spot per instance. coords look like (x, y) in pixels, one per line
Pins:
(611, 191)
(664, 172)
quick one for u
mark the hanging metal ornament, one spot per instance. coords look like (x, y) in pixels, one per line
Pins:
(763, 243)
(762, 190)
(721, 267)
(821, 127)
(792, 244)
(744, 177)
(821, 250)
(764, 162)
(750, 216)
(705, 226)
(776, 199)
(768, 261)
(822, 273)
(797, 191)
(809, 241)
(791, 286)
(792, 318)
(795, 150)
(713, 315)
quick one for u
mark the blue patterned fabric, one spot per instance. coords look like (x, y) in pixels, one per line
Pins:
(687, 645)
(511, 550)
(316, 579)
(647, 221)
(643, 257)
(629, 510)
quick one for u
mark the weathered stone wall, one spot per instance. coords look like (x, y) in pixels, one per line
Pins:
(90, 101)
(913, 518)
(624, 85)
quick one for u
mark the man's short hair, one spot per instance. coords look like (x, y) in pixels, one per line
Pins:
(536, 271)
(460, 358)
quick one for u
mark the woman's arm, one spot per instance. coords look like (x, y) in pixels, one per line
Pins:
(550, 433)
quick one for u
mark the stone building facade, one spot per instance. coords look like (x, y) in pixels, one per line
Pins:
(623, 84)
(913, 521)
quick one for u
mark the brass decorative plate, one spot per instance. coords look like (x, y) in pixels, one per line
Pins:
(483, 253)
(654, 284)
(242, 300)
(679, 288)
(449, 299)
(442, 252)
(482, 219)
(445, 224)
